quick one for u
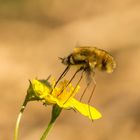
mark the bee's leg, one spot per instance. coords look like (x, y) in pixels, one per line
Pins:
(73, 77)
(92, 91)
(91, 95)
(48, 77)
(75, 86)
(62, 75)
(85, 90)
(70, 80)
(89, 80)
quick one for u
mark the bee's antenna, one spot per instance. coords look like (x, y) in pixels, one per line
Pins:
(60, 58)
(63, 60)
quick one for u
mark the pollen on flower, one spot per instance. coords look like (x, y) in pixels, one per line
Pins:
(63, 92)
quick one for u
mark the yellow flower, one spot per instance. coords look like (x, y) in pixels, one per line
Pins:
(63, 96)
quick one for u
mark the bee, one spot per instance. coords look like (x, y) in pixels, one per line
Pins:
(87, 59)
(90, 58)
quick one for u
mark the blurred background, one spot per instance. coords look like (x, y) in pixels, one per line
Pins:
(33, 34)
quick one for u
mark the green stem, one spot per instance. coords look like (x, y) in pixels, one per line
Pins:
(18, 119)
(46, 132)
(55, 113)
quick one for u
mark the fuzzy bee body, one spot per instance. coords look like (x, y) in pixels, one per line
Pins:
(89, 58)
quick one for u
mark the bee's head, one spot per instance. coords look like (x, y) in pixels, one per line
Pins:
(64, 60)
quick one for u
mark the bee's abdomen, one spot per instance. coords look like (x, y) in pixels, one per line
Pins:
(108, 63)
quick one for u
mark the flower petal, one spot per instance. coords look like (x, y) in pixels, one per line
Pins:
(85, 109)
(43, 92)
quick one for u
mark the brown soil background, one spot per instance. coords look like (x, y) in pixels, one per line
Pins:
(33, 34)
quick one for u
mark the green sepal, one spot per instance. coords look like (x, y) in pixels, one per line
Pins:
(31, 96)
(56, 110)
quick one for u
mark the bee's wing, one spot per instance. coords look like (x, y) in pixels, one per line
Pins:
(89, 76)
(89, 48)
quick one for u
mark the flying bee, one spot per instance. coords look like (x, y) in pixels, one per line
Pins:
(89, 58)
